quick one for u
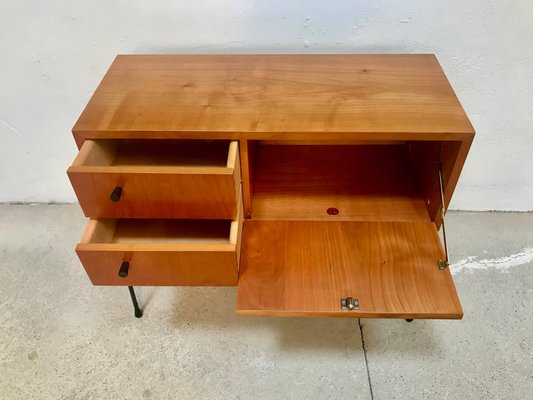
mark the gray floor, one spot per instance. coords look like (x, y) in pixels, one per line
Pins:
(60, 337)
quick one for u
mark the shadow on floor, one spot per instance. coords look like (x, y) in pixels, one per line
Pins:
(213, 309)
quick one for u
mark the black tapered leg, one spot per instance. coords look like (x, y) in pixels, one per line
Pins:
(138, 311)
(409, 320)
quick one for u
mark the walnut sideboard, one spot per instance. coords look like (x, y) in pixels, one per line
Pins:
(315, 183)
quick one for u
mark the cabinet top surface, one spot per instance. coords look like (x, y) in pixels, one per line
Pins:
(275, 94)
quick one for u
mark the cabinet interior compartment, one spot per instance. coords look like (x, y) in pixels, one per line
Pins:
(336, 182)
(393, 181)
(347, 221)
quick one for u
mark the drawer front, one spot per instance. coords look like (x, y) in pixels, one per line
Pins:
(161, 268)
(156, 195)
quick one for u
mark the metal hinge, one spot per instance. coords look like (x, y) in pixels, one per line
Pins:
(349, 303)
(443, 264)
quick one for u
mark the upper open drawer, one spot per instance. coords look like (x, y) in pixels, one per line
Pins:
(307, 268)
(144, 178)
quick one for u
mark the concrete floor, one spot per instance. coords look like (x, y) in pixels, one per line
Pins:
(61, 338)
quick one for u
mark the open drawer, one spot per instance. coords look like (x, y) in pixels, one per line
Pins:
(307, 268)
(144, 178)
(161, 252)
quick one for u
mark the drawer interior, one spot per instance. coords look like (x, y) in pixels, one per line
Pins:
(162, 153)
(160, 231)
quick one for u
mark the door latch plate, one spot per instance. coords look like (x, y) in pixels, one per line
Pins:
(349, 303)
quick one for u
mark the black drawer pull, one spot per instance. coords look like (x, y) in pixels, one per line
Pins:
(116, 193)
(123, 271)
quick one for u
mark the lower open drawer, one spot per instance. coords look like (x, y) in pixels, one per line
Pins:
(161, 252)
(306, 268)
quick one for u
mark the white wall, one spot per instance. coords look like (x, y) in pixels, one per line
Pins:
(54, 53)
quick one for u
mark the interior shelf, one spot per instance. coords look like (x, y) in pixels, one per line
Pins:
(335, 182)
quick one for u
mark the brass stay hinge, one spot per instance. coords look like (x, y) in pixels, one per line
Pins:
(443, 264)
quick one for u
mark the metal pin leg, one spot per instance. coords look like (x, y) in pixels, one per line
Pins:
(138, 311)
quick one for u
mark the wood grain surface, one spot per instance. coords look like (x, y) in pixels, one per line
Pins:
(305, 268)
(275, 96)
(363, 182)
